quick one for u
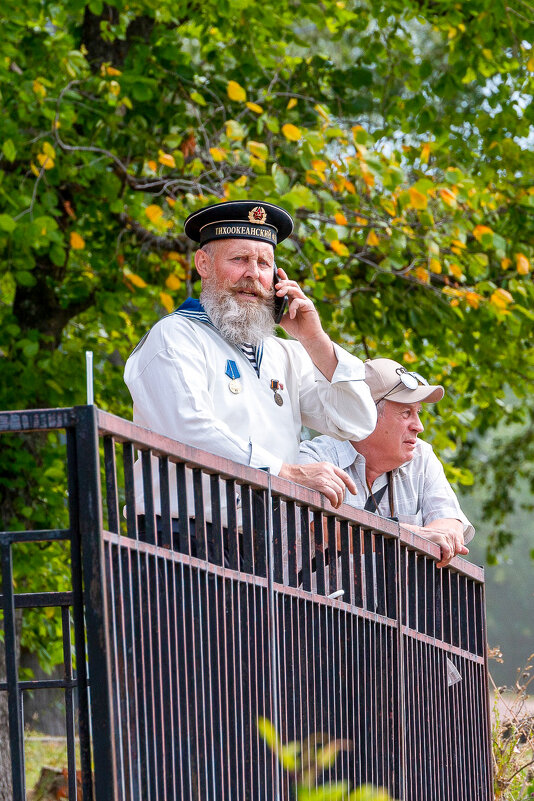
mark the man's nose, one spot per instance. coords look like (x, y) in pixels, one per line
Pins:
(417, 424)
(252, 269)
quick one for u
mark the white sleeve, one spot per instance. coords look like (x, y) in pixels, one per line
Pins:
(343, 407)
(439, 499)
(171, 396)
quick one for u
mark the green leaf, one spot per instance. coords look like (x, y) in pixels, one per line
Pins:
(9, 150)
(7, 223)
(196, 97)
(281, 180)
(57, 255)
(25, 278)
(30, 349)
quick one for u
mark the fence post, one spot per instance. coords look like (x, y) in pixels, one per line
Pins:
(95, 602)
(16, 734)
(273, 631)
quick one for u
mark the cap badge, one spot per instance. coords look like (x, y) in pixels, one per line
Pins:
(257, 215)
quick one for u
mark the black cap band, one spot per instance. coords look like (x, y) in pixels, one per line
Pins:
(237, 230)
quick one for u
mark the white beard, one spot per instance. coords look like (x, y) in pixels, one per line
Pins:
(238, 322)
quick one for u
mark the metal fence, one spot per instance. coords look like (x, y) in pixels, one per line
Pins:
(224, 594)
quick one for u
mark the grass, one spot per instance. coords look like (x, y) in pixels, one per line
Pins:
(42, 750)
(513, 737)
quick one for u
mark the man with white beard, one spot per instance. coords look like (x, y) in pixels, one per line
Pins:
(213, 374)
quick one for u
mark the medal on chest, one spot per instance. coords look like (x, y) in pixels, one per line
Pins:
(276, 386)
(232, 371)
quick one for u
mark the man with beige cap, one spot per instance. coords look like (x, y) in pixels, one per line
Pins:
(396, 474)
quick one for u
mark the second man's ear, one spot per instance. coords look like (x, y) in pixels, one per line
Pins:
(202, 263)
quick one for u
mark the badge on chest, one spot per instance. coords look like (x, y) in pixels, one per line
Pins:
(232, 371)
(276, 386)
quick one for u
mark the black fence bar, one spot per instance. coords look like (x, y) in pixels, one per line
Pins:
(206, 595)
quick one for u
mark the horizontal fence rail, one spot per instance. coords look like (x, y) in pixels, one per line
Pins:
(215, 594)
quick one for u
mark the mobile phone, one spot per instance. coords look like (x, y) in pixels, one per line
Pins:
(280, 304)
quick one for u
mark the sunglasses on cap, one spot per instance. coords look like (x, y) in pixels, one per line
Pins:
(411, 380)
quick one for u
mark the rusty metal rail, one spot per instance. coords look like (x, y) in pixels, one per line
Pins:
(214, 594)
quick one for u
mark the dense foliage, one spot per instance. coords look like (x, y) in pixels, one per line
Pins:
(398, 134)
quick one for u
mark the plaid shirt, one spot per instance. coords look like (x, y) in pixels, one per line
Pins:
(421, 491)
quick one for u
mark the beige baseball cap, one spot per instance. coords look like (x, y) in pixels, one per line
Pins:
(390, 380)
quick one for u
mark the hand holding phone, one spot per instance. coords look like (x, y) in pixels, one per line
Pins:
(280, 304)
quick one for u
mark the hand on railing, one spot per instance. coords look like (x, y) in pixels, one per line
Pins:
(324, 477)
(447, 533)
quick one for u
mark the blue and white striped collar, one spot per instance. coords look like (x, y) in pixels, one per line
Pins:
(194, 309)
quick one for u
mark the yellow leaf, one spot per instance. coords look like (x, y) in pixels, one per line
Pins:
(236, 92)
(448, 197)
(456, 271)
(241, 181)
(172, 255)
(114, 88)
(480, 230)
(422, 275)
(254, 107)
(372, 239)
(417, 199)
(171, 201)
(173, 282)
(506, 263)
(217, 153)
(473, 299)
(234, 130)
(136, 280)
(258, 149)
(361, 220)
(339, 248)
(45, 161)
(501, 298)
(166, 159)
(458, 243)
(487, 54)
(530, 63)
(291, 132)
(368, 177)
(38, 88)
(389, 205)
(349, 186)
(153, 213)
(166, 301)
(340, 218)
(113, 71)
(425, 153)
(77, 242)
(34, 169)
(409, 358)
(49, 150)
(319, 165)
(152, 165)
(292, 103)
(435, 266)
(322, 112)
(522, 264)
